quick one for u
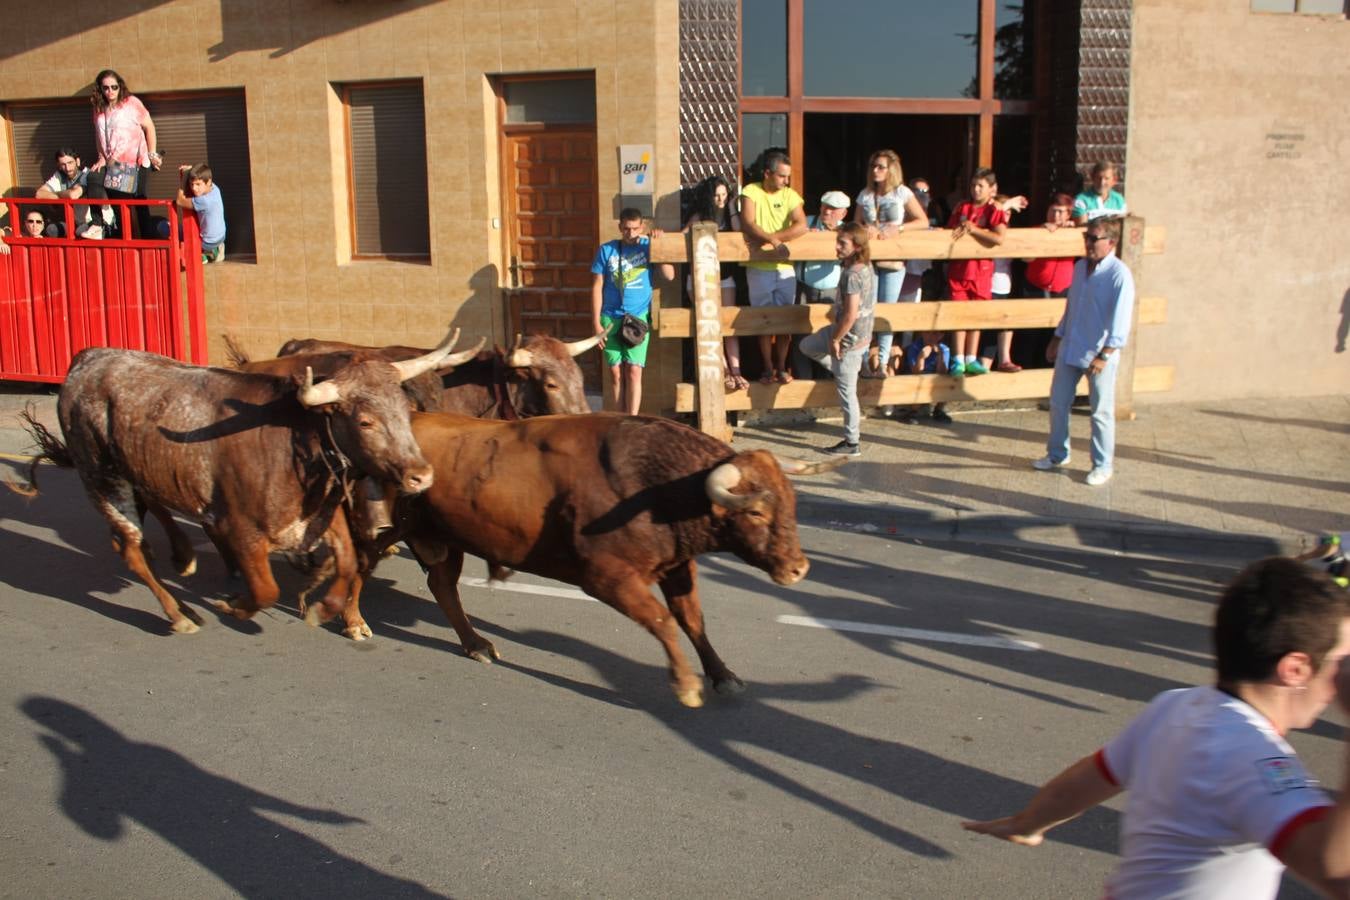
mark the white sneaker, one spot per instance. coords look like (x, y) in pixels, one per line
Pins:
(1098, 477)
(1045, 464)
(91, 232)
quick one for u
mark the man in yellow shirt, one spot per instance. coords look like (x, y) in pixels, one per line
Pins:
(772, 214)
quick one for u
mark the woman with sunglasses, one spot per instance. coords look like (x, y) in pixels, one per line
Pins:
(125, 136)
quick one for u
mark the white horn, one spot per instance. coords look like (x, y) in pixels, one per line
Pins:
(576, 348)
(719, 483)
(463, 356)
(311, 395)
(411, 368)
(801, 467)
(519, 357)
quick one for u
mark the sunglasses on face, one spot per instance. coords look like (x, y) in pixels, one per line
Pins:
(35, 221)
(109, 87)
(1094, 238)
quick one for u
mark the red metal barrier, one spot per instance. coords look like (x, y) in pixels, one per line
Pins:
(60, 295)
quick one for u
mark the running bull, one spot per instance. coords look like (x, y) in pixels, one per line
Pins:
(262, 462)
(610, 503)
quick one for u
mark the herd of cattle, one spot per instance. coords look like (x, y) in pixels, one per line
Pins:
(483, 452)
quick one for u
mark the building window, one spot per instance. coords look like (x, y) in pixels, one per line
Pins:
(209, 127)
(387, 170)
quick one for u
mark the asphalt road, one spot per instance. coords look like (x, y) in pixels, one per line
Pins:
(903, 687)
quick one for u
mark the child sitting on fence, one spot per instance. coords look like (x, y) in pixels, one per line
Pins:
(200, 194)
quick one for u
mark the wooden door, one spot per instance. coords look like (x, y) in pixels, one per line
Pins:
(551, 191)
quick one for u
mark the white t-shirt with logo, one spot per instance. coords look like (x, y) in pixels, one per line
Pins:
(1214, 793)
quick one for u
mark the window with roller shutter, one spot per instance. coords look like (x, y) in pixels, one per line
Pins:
(387, 170)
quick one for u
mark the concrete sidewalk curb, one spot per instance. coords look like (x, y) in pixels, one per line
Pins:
(1136, 539)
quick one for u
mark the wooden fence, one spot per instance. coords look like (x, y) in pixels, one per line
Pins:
(708, 322)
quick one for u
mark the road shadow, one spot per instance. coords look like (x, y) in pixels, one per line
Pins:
(735, 730)
(109, 782)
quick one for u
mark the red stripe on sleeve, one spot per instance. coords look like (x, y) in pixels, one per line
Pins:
(1104, 768)
(1281, 839)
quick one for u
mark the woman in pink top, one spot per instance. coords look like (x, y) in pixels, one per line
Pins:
(124, 133)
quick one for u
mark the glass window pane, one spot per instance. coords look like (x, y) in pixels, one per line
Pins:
(555, 101)
(759, 132)
(880, 48)
(1014, 53)
(764, 48)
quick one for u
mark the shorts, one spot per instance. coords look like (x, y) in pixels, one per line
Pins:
(980, 289)
(770, 287)
(616, 351)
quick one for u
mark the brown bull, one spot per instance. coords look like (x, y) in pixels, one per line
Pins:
(612, 504)
(263, 463)
(538, 377)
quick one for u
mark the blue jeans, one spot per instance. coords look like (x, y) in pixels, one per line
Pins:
(1101, 399)
(817, 346)
(889, 282)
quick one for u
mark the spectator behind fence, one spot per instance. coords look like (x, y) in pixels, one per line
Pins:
(125, 136)
(200, 194)
(34, 224)
(1050, 276)
(712, 203)
(972, 279)
(1102, 200)
(621, 286)
(1001, 285)
(68, 183)
(1219, 803)
(771, 213)
(1088, 340)
(818, 280)
(842, 345)
(927, 355)
(886, 206)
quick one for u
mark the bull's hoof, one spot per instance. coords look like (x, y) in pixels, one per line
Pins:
(729, 685)
(691, 697)
(484, 651)
(314, 615)
(358, 631)
(186, 568)
(184, 626)
(226, 609)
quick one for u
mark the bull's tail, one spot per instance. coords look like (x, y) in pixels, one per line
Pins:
(238, 358)
(51, 447)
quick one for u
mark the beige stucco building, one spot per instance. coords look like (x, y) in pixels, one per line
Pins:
(1235, 141)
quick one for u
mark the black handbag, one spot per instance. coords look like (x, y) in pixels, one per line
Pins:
(121, 177)
(633, 330)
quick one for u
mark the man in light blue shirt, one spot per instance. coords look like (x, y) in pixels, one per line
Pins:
(1088, 341)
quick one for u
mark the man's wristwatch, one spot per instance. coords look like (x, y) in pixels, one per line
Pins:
(1104, 356)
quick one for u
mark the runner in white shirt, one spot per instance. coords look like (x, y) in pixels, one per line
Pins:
(1218, 802)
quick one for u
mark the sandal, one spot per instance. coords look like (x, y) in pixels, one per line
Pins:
(767, 377)
(785, 377)
(741, 383)
(728, 382)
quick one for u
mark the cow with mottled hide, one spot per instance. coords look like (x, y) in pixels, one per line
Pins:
(539, 376)
(613, 504)
(264, 463)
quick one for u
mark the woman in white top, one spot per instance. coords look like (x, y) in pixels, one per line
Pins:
(886, 206)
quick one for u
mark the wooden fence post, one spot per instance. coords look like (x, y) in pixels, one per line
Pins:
(707, 278)
(1132, 254)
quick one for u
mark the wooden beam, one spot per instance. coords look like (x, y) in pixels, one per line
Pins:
(935, 243)
(1029, 384)
(707, 277)
(945, 315)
